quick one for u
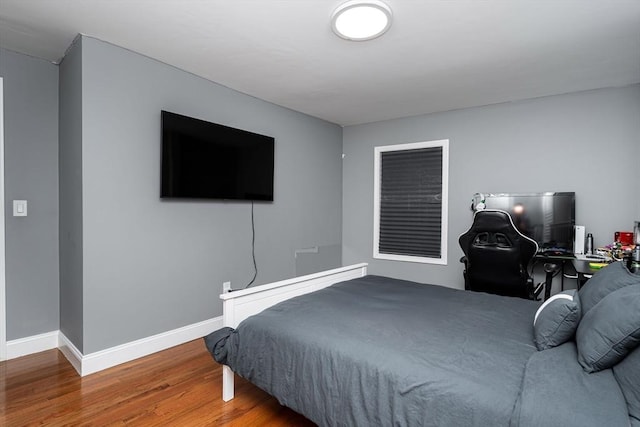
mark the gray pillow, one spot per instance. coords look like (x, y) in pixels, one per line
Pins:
(627, 373)
(610, 330)
(556, 320)
(605, 281)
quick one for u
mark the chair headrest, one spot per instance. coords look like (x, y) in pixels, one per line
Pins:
(498, 221)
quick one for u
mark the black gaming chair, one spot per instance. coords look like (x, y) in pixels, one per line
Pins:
(497, 256)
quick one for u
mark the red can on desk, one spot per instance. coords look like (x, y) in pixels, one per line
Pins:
(625, 238)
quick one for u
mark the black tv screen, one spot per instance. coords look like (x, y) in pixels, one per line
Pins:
(204, 160)
(547, 218)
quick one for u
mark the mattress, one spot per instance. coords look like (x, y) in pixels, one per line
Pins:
(381, 351)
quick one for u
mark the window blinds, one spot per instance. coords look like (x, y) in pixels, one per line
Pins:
(411, 202)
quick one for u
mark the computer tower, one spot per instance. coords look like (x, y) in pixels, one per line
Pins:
(578, 240)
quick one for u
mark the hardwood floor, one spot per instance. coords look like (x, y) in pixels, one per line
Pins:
(181, 386)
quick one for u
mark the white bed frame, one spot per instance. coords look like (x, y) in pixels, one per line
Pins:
(239, 305)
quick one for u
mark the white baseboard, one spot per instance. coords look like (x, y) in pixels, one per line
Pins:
(33, 344)
(94, 362)
(113, 356)
(71, 352)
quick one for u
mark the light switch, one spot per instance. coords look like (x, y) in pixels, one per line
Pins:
(19, 208)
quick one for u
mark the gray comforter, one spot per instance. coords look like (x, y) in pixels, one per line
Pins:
(376, 351)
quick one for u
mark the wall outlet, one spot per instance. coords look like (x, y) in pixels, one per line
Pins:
(226, 287)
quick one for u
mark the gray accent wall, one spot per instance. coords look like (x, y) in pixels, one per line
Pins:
(70, 176)
(587, 142)
(316, 259)
(31, 173)
(152, 265)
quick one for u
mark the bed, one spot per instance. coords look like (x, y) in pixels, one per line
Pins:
(346, 348)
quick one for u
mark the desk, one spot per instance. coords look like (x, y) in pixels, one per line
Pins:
(581, 266)
(553, 259)
(584, 271)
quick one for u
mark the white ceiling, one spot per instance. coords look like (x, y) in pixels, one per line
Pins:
(438, 55)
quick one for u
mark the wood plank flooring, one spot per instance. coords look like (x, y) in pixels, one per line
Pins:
(181, 386)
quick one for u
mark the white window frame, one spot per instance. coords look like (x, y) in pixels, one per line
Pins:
(444, 144)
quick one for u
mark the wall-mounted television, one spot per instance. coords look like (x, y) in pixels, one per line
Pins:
(547, 218)
(204, 160)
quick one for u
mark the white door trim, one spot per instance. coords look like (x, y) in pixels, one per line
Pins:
(3, 306)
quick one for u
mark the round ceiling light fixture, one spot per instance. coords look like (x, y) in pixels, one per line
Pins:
(361, 20)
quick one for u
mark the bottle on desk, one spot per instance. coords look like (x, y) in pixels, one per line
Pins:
(635, 261)
(589, 250)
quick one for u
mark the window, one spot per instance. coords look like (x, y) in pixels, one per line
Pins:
(410, 202)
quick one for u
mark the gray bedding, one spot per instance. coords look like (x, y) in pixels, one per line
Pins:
(556, 391)
(376, 351)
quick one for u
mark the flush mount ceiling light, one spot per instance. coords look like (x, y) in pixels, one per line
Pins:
(361, 20)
